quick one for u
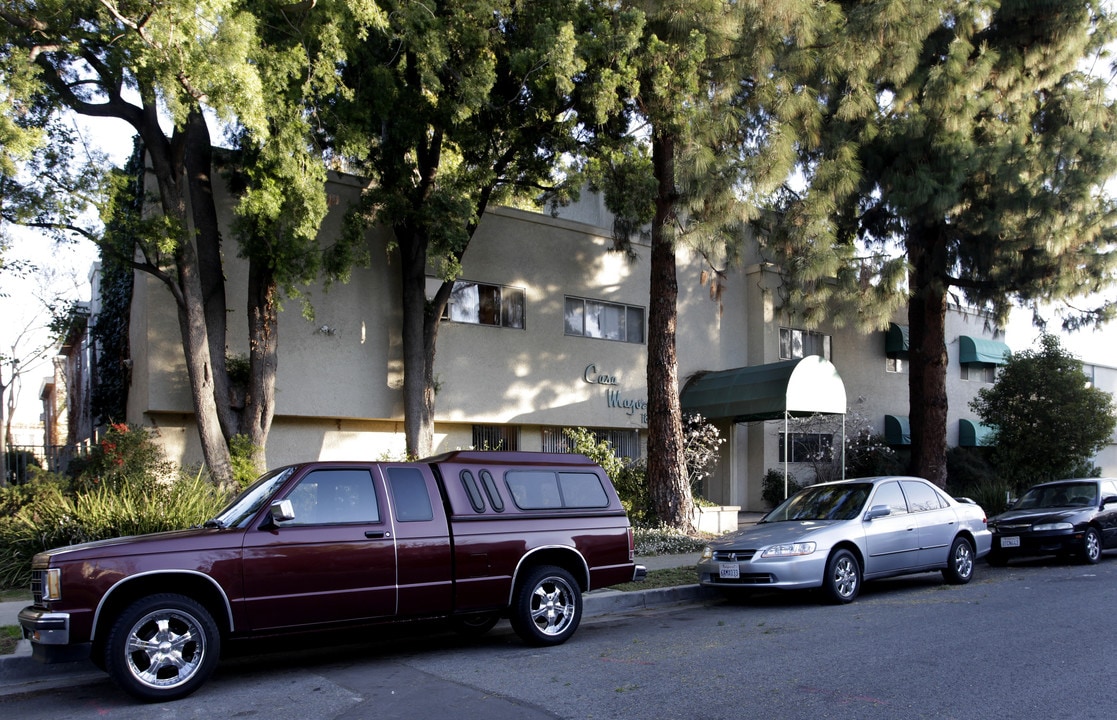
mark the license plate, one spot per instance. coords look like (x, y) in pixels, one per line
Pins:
(1011, 541)
(729, 571)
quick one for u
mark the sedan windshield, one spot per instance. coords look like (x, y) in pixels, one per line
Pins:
(823, 502)
(1053, 496)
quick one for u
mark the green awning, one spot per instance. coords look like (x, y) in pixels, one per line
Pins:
(973, 434)
(979, 350)
(896, 339)
(798, 388)
(897, 431)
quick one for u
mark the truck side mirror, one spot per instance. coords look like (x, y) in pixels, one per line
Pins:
(282, 510)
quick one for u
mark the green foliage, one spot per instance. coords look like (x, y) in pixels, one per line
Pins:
(243, 453)
(772, 487)
(970, 474)
(1047, 420)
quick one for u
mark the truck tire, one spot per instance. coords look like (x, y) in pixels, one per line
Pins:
(162, 647)
(546, 607)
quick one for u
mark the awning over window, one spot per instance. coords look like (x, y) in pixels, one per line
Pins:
(896, 339)
(973, 434)
(979, 350)
(897, 431)
(766, 392)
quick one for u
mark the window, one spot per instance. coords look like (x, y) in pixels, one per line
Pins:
(326, 497)
(808, 447)
(795, 344)
(895, 365)
(625, 443)
(889, 494)
(545, 490)
(482, 304)
(409, 492)
(921, 497)
(608, 321)
(979, 372)
(496, 437)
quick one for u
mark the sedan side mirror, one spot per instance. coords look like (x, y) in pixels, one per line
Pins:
(282, 510)
(1108, 499)
(878, 511)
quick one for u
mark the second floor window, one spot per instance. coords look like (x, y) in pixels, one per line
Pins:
(483, 304)
(608, 321)
(796, 344)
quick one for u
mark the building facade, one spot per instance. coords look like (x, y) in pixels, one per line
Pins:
(545, 331)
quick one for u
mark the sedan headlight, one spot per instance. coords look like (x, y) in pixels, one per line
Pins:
(707, 553)
(789, 550)
(1047, 527)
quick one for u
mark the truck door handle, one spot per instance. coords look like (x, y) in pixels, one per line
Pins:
(377, 534)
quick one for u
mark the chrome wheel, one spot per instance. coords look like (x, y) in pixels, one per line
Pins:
(548, 607)
(162, 647)
(843, 577)
(1091, 546)
(960, 563)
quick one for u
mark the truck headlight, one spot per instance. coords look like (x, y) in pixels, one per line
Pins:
(789, 550)
(52, 584)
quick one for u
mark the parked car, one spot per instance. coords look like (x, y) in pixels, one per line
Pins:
(1066, 517)
(835, 535)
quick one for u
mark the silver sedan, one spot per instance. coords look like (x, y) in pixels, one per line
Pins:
(835, 535)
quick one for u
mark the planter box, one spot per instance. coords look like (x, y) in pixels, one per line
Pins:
(717, 519)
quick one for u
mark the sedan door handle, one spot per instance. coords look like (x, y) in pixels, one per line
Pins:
(377, 534)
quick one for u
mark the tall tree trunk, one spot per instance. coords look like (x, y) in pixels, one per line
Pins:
(418, 358)
(927, 399)
(263, 359)
(669, 485)
(186, 287)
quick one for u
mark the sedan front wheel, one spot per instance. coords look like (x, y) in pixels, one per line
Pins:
(843, 577)
(1091, 546)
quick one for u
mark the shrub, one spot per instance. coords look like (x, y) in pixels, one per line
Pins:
(55, 519)
(126, 455)
(772, 491)
(241, 453)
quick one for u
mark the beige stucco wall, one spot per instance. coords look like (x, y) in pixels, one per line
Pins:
(338, 388)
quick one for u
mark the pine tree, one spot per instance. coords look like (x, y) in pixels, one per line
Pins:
(962, 153)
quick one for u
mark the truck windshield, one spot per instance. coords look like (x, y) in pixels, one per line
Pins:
(244, 506)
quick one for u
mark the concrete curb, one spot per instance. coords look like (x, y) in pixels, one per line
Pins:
(19, 673)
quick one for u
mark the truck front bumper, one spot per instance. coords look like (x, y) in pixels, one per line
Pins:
(49, 633)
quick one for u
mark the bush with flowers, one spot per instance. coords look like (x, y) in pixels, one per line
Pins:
(125, 487)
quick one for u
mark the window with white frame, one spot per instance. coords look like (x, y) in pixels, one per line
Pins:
(483, 304)
(608, 321)
(796, 344)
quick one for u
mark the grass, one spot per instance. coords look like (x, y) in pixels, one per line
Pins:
(10, 635)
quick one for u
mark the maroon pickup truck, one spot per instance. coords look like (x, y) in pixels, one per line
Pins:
(469, 536)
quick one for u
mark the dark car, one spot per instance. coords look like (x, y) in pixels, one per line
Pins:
(1065, 517)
